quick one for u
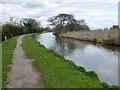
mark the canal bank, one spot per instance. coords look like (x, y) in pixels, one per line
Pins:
(110, 37)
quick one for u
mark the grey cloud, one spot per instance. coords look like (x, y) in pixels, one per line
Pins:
(32, 5)
(81, 10)
(62, 1)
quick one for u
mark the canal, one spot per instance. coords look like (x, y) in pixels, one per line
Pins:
(101, 59)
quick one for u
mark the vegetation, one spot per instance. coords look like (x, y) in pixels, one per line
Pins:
(7, 54)
(110, 37)
(16, 27)
(66, 22)
(115, 27)
(0, 65)
(57, 72)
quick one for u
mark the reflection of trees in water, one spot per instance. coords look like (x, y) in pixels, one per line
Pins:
(110, 48)
(60, 46)
(67, 46)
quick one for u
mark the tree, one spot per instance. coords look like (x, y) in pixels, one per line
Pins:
(30, 25)
(67, 22)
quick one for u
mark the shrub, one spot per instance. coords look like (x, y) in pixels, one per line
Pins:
(81, 69)
(105, 85)
(91, 74)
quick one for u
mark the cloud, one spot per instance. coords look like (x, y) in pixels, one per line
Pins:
(108, 1)
(32, 5)
(119, 13)
(97, 14)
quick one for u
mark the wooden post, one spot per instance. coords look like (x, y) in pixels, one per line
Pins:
(5, 39)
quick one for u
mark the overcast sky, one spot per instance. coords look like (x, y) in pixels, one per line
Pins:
(97, 13)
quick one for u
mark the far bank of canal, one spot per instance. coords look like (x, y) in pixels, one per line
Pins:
(101, 59)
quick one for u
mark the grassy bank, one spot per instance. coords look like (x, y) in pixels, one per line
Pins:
(110, 37)
(56, 71)
(0, 66)
(7, 54)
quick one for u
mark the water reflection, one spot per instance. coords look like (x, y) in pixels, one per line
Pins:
(101, 59)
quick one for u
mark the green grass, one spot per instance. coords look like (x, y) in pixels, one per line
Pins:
(57, 72)
(0, 66)
(7, 54)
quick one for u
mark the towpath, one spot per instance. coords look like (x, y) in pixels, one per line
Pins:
(22, 74)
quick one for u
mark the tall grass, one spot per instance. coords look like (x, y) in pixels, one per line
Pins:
(104, 37)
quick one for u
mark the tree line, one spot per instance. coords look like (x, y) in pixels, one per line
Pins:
(60, 24)
(21, 26)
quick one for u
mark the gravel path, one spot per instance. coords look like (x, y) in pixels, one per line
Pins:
(23, 74)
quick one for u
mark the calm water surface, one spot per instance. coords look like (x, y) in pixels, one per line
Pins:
(101, 59)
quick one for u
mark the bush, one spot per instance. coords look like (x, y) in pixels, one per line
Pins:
(81, 69)
(91, 74)
(105, 85)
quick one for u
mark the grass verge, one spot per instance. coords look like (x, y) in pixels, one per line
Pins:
(0, 66)
(56, 71)
(7, 54)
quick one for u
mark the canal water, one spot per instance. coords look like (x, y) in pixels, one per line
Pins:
(101, 59)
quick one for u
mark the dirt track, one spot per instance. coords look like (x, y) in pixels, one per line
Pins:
(23, 74)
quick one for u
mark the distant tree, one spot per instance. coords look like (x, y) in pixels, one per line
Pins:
(67, 22)
(61, 19)
(115, 27)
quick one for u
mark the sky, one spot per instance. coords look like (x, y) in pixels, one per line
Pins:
(96, 13)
